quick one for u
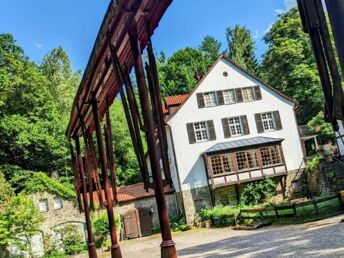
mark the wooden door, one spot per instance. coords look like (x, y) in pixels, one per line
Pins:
(145, 222)
(130, 222)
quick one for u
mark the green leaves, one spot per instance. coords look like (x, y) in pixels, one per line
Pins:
(257, 192)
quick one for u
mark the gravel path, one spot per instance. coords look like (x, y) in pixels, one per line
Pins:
(323, 238)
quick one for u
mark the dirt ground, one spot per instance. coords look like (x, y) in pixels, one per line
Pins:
(323, 238)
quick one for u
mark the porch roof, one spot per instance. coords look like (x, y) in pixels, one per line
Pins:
(241, 144)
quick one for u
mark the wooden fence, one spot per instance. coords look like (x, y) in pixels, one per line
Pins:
(313, 206)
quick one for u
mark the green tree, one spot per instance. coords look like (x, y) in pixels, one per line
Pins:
(62, 81)
(289, 64)
(211, 47)
(324, 130)
(178, 73)
(241, 48)
(19, 223)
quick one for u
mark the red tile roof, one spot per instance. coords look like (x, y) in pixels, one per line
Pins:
(132, 192)
(176, 99)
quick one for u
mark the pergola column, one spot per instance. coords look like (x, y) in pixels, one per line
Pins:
(115, 249)
(91, 245)
(168, 249)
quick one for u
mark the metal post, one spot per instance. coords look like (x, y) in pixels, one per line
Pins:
(91, 245)
(335, 10)
(115, 249)
(168, 249)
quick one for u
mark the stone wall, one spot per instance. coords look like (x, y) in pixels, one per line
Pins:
(194, 200)
(53, 218)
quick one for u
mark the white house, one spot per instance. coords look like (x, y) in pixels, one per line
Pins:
(232, 129)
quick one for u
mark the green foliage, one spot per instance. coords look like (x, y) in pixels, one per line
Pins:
(177, 223)
(289, 64)
(313, 163)
(6, 192)
(210, 47)
(72, 239)
(101, 228)
(40, 182)
(220, 216)
(177, 73)
(258, 192)
(323, 129)
(241, 48)
(54, 254)
(127, 167)
(19, 222)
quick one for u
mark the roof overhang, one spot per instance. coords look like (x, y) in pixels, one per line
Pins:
(241, 144)
(99, 79)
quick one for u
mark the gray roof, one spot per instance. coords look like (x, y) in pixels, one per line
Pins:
(243, 143)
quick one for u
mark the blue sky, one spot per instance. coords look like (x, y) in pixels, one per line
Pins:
(40, 25)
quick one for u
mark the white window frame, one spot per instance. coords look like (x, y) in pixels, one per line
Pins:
(58, 203)
(226, 99)
(246, 94)
(208, 100)
(269, 123)
(44, 208)
(235, 126)
(202, 130)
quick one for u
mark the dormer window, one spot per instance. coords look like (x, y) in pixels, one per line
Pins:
(209, 99)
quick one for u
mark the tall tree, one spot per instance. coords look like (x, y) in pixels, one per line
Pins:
(211, 47)
(241, 49)
(62, 81)
(180, 72)
(289, 64)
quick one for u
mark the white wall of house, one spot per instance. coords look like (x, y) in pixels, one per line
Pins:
(189, 162)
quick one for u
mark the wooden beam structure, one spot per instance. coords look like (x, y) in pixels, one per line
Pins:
(124, 34)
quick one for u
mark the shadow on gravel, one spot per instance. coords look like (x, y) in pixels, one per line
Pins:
(276, 242)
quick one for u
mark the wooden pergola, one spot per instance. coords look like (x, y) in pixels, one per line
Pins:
(125, 32)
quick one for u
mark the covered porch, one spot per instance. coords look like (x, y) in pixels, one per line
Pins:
(242, 161)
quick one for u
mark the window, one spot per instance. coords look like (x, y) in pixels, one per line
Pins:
(270, 155)
(247, 94)
(241, 160)
(43, 205)
(235, 126)
(58, 204)
(201, 131)
(209, 99)
(229, 97)
(222, 164)
(268, 121)
(247, 159)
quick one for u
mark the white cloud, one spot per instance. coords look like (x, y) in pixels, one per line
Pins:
(38, 45)
(279, 11)
(289, 4)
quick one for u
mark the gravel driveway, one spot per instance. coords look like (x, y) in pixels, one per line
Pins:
(323, 238)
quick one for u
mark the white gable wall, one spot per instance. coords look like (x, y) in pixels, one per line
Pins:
(189, 161)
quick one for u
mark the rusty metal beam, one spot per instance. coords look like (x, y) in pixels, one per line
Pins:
(168, 249)
(115, 249)
(91, 245)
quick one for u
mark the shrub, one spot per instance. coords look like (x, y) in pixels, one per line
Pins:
(72, 239)
(220, 216)
(257, 192)
(101, 228)
(177, 223)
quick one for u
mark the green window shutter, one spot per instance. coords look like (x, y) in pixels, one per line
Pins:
(259, 123)
(257, 92)
(191, 133)
(211, 129)
(238, 95)
(225, 126)
(245, 127)
(278, 122)
(220, 100)
(200, 100)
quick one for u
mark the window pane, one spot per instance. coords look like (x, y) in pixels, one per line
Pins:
(252, 159)
(275, 155)
(241, 160)
(235, 126)
(229, 96)
(43, 205)
(209, 99)
(247, 94)
(227, 163)
(57, 203)
(268, 121)
(201, 131)
(216, 165)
